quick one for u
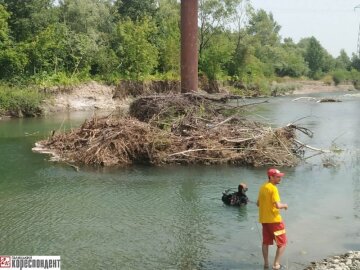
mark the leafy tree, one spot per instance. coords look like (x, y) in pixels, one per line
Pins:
(168, 37)
(47, 51)
(13, 61)
(264, 28)
(214, 15)
(91, 17)
(290, 62)
(355, 62)
(28, 17)
(138, 56)
(328, 63)
(239, 58)
(105, 63)
(315, 57)
(263, 35)
(217, 56)
(136, 9)
(343, 61)
(4, 28)
(90, 24)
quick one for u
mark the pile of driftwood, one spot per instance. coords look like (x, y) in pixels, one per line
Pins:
(183, 129)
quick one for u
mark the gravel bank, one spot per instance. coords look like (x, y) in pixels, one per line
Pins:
(347, 261)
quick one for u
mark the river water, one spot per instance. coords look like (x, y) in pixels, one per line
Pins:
(173, 217)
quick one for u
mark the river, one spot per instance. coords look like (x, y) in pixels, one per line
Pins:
(172, 217)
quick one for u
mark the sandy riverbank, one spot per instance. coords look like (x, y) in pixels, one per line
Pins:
(96, 96)
(84, 97)
(308, 87)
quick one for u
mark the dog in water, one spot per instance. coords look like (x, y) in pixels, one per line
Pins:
(238, 198)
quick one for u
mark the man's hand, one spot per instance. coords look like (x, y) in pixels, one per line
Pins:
(280, 205)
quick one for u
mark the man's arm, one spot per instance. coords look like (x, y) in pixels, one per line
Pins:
(280, 205)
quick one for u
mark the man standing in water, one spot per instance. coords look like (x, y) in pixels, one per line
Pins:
(269, 216)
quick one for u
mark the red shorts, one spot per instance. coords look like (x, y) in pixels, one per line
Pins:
(274, 231)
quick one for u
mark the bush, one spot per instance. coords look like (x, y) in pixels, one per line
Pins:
(328, 80)
(339, 76)
(20, 102)
(283, 88)
(12, 63)
(355, 78)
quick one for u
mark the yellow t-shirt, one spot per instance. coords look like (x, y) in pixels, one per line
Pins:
(268, 195)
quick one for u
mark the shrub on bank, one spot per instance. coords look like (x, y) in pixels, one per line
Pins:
(339, 76)
(20, 101)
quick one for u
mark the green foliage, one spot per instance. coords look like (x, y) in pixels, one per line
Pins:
(355, 62)
(136, 9)
(355, 78)
(264, 28)
(60, 78)
(47, 51)
(20, 101)
(216, 57)
(47, 42)
(314, 56)
(137, 54)
(214, 16)
(290, 63)
(105, 63)
(343, 61)
(29, 17)
(253, 70)
(13, 61)
(318, 59)
(328, 80)
(339, 76)
(4, 28)
(168, 37)
(92, 17)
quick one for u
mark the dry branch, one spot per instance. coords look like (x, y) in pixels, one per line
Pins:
(171, 129)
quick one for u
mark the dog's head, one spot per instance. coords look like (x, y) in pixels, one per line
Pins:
(242, 188)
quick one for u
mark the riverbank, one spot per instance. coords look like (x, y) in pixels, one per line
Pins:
(310, 87)
(91, 96)
(96, 96)
(347, 261)
(84, 97)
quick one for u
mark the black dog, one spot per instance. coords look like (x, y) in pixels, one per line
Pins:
(238, 198)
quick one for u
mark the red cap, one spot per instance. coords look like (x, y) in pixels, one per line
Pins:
(274, 172)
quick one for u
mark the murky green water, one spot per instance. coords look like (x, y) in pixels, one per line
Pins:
(173, 218)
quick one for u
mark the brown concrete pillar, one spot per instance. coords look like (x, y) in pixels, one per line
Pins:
(189, 50)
